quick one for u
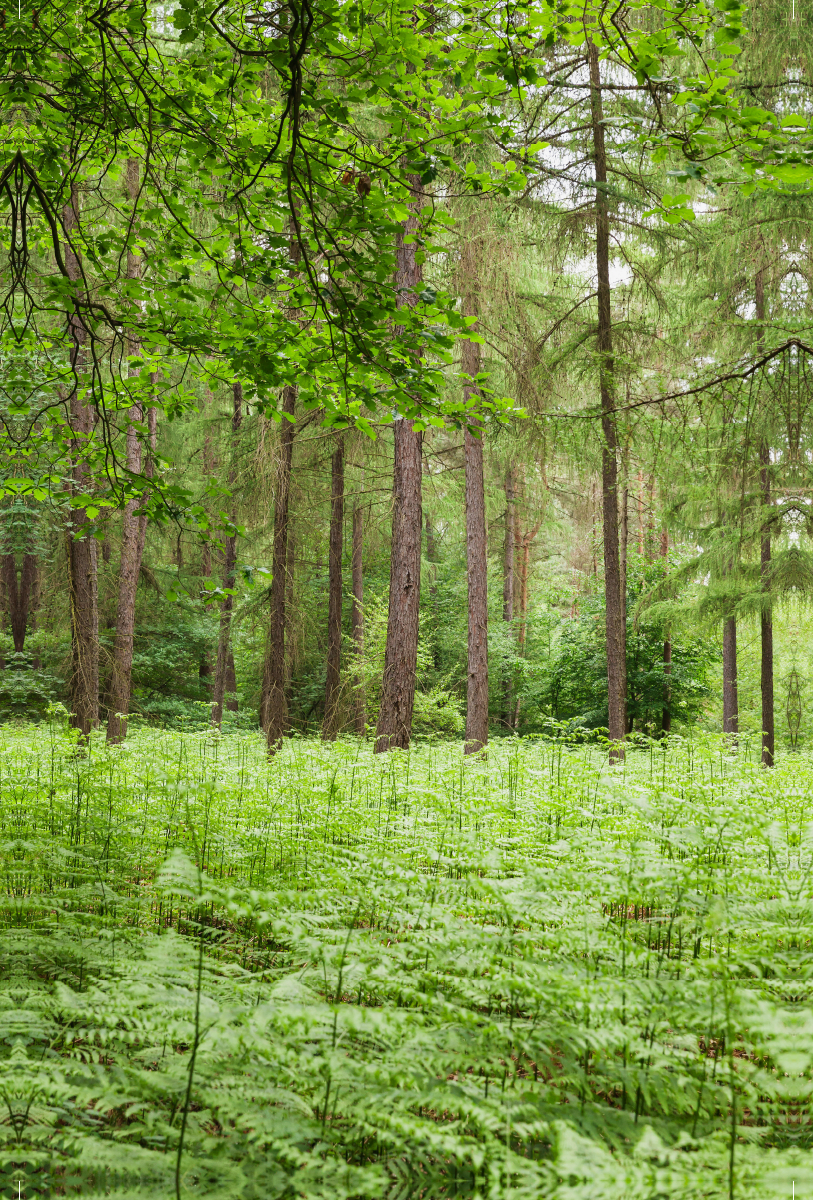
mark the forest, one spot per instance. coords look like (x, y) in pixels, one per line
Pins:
(405, 518)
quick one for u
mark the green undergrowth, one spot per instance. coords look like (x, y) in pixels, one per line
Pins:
(346, 975)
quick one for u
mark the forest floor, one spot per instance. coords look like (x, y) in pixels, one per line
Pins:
(345, 975)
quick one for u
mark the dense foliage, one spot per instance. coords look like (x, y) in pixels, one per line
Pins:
(340, 975)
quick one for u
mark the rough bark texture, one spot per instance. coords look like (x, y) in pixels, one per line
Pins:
(666, 716)
(357, 621)
(21, 596)
(330, 726)
(476, 568)
(274, 706)
(80, 547)
(394, 728)
(224, 655)
(132, 542)
(615, 623)
(508, 581)
(730, 700)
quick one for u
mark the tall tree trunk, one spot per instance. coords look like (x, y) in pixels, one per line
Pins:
(616, 625)
(224, 655)
(623, 545)
(666, 715)
(476, 561)
(394, 729)
(508, 580)
(131, 540)
(330, 726)
(730, 700)
(81, 547)
(274, 706)
(357, 621)
(766, 618)
(766, 622)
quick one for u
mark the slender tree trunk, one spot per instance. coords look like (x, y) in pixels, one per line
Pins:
(616, 625)
(508, 580)
(666, 716)
(81, 547)
(224, 655)
(730, 701)
(623, 545)
(766, 618)
(766, 624)
(357, 622)
(274, 706)
(131, 540)
(330, 727)
(394, 729)
(476, 562)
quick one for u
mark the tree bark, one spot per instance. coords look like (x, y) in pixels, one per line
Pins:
(730, 701)
(357, 622)
(766, 623)
(476, 562)
(330, 726)
(132, 543)
(508, 580)
(666, 715)
(394, 729)
(766, 617)
(224, 655)
(615, 623)
(274, 706)
(80, 546)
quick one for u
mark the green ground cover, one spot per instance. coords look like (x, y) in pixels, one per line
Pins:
(343, 975)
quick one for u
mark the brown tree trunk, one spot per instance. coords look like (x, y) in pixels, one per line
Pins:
(21, 596)
(615, 623)
(508, 580)
(274, 706)
(766, 618)
(330, 727)
(81, 546)
(131, 540)
(357, 622)
(394, 729)
(766, 624)
(476, 563)
(224, 655)
(666, 715)
(730, 701)
(232, 703)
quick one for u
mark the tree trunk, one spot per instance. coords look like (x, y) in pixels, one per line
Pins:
(131, 541)
(81, 547)
(615, 623)
(357, 622)
(224, 655)
(508, 580)
(274, 706)
(766, 618)
(476, 563)
(766, 623)
(394, 729)
(666, 715)
(330, 726)
(623, 544)
(730, 701)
